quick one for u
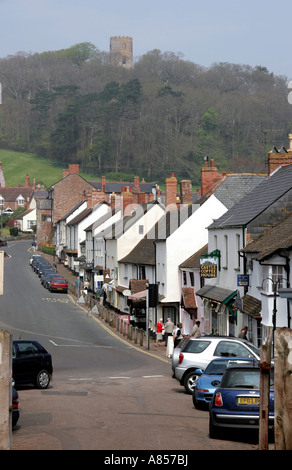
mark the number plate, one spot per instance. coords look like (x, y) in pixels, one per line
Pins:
(248, 400)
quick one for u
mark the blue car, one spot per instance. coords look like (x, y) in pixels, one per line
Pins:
(235, 403)
(210, 379)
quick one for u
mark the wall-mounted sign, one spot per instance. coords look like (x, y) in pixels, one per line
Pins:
(243, 280)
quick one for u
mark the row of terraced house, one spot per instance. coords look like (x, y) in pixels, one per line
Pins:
(221, 256)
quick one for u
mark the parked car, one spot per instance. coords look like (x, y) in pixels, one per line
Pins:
(31, 363)
(47, 275)
(48, 279)
(15, 403)
(58, 284)
(199, 352)
(210, 379)
(3, 242)
(33, 258)
(176, 352)
(235, 403)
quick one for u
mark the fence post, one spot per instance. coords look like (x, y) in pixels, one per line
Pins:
(5, 389)
(283, 388)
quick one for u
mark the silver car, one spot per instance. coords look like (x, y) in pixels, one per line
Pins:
(198, 352)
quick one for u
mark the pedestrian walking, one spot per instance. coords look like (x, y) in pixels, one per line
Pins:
(159, 328)
(168, 330)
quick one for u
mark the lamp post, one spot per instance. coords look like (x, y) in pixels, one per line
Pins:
(275, 292)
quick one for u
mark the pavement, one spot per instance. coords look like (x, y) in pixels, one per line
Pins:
(160, 352)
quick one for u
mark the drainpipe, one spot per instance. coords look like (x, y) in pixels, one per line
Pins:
(287, 269)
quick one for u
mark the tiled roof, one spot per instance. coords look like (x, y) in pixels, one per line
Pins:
(258, 200)
(278, 238)
(251, 306)
(189, 300)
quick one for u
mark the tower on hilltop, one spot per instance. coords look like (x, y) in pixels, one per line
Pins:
(121, 51)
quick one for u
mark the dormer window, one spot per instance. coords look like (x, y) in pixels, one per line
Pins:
(1, 201)
(20, 201)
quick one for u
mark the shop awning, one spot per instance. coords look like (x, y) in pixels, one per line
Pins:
(138, 296)
(221, 296)
(188, 297)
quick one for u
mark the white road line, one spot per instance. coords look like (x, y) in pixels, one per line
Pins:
(151, 376)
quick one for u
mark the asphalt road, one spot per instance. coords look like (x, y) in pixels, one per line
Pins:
(105, 395)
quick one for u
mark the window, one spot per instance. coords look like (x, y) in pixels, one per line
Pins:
(228, 348)
(20, 201)
(141, 273)
(192, 279)
(184, 278)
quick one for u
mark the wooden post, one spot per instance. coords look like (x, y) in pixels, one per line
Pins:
(265, 367)
(5, 389)
(283, 388)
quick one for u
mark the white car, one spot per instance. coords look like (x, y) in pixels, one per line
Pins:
(199, 352)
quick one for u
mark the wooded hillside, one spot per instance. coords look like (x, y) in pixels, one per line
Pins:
(162, 116)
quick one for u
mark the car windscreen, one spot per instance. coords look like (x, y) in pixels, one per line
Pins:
(59, 281)
(196, 346)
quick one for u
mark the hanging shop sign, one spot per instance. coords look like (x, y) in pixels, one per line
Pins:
(210, 264)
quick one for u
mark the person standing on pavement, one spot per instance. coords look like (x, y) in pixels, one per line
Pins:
(196, 332)
(177, 335)
(159, 328)
(168, 329)
(243, 332)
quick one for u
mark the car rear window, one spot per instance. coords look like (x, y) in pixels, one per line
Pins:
(197, 346)
(59, 281)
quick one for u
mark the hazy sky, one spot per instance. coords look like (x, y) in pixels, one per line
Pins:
(252, 32)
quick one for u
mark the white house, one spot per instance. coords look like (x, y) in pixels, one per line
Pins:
(254, 214)
(120, 238)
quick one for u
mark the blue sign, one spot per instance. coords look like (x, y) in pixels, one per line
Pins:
(243, 280)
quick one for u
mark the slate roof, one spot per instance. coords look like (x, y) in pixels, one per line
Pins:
(143, 253)
(231, 188)
(193, 261)
(278, 238)
(258, 200)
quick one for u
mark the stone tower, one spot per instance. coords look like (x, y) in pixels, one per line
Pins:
(121, 51)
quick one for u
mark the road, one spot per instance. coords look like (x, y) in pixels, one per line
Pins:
(105, 395)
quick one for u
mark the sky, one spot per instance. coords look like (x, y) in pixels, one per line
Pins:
(249, 32)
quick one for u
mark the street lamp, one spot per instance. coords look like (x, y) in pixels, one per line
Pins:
(275, 292)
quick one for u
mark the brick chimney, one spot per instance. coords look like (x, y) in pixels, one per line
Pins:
(127, 198)
(72, 170)
(170, 191)
(186, 192)
(209, 175)
(103, 184)
(277, 159)
(27, 181)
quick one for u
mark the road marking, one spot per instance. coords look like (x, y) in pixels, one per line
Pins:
(119, 377)
(81, 345)
(151, 376)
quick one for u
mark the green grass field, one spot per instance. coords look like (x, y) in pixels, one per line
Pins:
(16, 165)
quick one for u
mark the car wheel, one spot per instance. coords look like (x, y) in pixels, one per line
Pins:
(43, 379)
(189, 382)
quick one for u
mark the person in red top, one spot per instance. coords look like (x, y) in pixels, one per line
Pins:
(159, 328)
